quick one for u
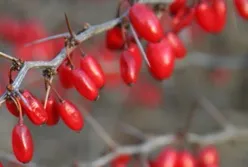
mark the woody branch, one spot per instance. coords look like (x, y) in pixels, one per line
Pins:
(81, 37)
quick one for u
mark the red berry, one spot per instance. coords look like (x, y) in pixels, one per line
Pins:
(93, 69)
(129, 67)
(145, 22)
(183, 18)
(220, 76)
(22, 143)
(176, 5)
(208, 156)
(242, 6)
(70, 114)
(152, 163)
(33, 108)
(64, 73)
(133, 48)
(185, 159)
(52, 112)
(84, 85)
(211, 15)
(161, 58)
(176, 44)
(114, 38)
(121, 161)
(167, 158)
(11, 106)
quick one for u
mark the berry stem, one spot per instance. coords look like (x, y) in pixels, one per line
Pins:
(18, 106)
(48, 90)
(182, 135)
(99, 130)
(10, 75)
(129, 129)
(68, 56)
(6, 56)
(55, 91)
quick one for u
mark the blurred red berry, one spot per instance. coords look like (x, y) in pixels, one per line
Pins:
(121, 161)
(167, 158)
(114, 38)
(22, 143)
(208, 156)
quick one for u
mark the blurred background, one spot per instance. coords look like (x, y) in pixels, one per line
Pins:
(215, 67)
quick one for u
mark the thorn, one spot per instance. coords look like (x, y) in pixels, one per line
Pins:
(68, 25)
(97, 97)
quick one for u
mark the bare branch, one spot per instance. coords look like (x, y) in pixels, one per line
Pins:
(100, 130)
(215, 113)
(57, 36)
(6, 56)
(129, 129)
(159, 141)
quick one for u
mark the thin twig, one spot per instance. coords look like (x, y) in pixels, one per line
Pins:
(159, 141)
(38, 41)
(6, 56)
(129, 129)
(99, 130)
(215, 113)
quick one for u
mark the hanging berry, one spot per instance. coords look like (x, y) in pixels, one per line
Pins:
(208, 156)
(64, 71)
(145, 22)
(33, 108)
(70, 114)
(176, 44)
(241, 6)
(211, 15)
(167, 158)
(93, 69)
(84, 85)
(22, 143)
(161, 58)
(121, 161)
(52, 111)
(10, 105)
(114, 38)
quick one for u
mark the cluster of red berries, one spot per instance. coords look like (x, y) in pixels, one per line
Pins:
(207, 156)
(161, 49)
(28, 104)
(169, 157)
